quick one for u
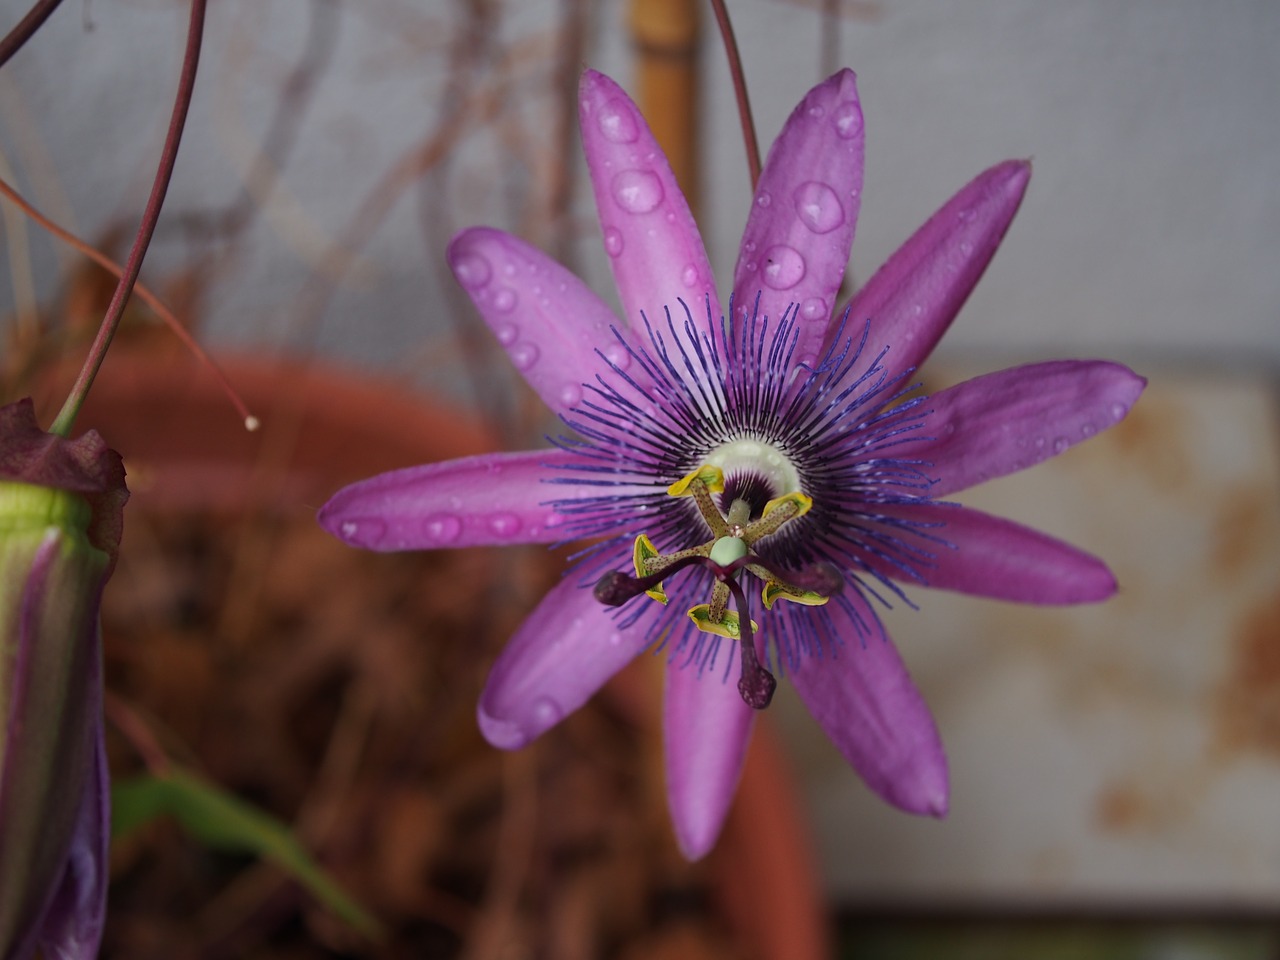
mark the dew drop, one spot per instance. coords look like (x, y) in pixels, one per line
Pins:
(784, 267)
(949, 429)
(545, 712)
(818, 207)
(749, 266)
(504, 301)
(617, 123)
(507, 333)
(1040, 442)
(1118, 410)
(689, 275)
(615, 638)
(442, 527)
(815, 308)
(637, 191)
(1087, 429)
(370, 532)
(524, 355)
(617, 355)
(613, 242)
(504, 524)
(1060, 444)
(472, 270)
(848, 120)
(763, 199)
(570, 395)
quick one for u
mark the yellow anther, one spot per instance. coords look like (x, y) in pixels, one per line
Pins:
(774, 591)
(645, 550)
(711, 477)
(798, 501)
(727, 626)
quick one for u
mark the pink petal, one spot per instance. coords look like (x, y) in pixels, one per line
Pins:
(492, 499)
(992, 557)
(1007, 421)
(653, 243)
(561, 655)
(860, 693)
(706, 727)
(800, 229)
(913, 298)
(550, 323)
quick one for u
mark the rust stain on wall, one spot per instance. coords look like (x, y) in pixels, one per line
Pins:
(1241, 531)
(1247, 702)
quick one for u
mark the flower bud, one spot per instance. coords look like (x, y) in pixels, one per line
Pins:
(60, 514)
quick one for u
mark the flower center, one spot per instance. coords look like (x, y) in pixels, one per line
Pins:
(729, 551)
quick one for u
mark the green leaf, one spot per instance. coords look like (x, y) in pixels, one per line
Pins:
(223, 821)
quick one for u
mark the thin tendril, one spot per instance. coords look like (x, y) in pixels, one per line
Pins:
(144, 294)
(133, 265)
(16, 38)
(739, 91)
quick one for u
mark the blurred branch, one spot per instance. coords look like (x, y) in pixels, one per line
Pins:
(16, 38)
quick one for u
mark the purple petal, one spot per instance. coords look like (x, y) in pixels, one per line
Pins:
(1007, 421)
(72, 926)
(653, 243)
(550, 323)
(800, 229)
(860, 693)
(562, 654)
(706, 727)
(495, 498)
(912, 299)
(992, 557)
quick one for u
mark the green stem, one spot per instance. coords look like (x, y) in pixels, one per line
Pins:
(115, 309)
(739, 91)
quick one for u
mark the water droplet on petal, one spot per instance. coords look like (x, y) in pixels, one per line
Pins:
(368, 532)
(504, 301)
(763, 199)
(848, 120)
(948, 429)
(1060, 444)
(472, 270)
(817, 110)
(1087, 429)
(546, 712)
(442, 527)
(617, 123)
(1118, 411)
(784, 267)
(504, 524)
(1040, 443)
(637, 191)
(613, 242)
(815, 308)
(524, 355)
(507, 333)
(617, 355)
(818, 207)
(570, 395)
(689, 275)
